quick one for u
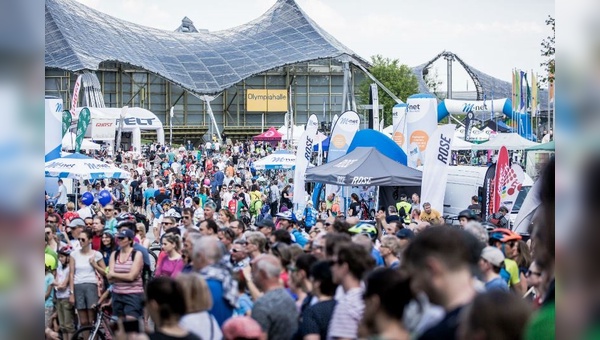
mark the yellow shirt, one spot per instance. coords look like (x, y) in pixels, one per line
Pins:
(513, 269)
(434, 217)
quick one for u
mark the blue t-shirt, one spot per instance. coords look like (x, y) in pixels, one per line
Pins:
(497, 284)
(377, 256)
(221, 309)
(149, 193)
(49, 279)
(244, 305)
(299, 237)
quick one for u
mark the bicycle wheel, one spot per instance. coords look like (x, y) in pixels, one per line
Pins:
(153, 259)
(79, 334)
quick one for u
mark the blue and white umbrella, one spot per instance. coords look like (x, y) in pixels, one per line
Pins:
(80, 167)
(278, 160)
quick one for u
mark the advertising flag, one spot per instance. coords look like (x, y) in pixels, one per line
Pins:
(303, 155)
(342, 135)
(374, 123)
(82, 125)
(75, 97)
(399, 125)
(66, 122)
(534, 95)
(510, 184)
(421, 116)
(487, 196)
(435, 170)
(502, 169)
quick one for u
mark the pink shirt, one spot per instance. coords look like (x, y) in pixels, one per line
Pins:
(168, 267)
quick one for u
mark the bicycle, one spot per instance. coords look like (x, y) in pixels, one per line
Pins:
(101, 330)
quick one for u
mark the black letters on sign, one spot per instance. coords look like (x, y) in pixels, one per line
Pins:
(444, 149)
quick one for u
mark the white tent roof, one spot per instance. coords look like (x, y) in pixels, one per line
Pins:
(297, 131)
(68, 143)
(460, 144)
(512, 141)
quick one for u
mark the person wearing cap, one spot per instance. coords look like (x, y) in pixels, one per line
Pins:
(499, 218)
(490, 265)
(289, 223)
(404, 209)
(266, 227)
(506, 241)
(404, 236)
(76, 225)
(125, 273)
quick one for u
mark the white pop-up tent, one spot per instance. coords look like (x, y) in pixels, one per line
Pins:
(68, 143)
(296, 132)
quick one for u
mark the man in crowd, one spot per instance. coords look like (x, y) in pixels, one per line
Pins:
(289, 223)
(208, 228)
(350, 263)
(239, 256)
(404, 208)
(238, 228)
(430, 215)
(256, 244)
(76, 225)
(275, 311)
(209, 210)
(475, 206)
(489, 264)
(61, 197)
(98, 230)
(266, 227)
(186, 220)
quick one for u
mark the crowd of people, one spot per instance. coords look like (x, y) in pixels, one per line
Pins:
(237, 262)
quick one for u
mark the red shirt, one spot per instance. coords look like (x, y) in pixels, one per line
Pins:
(96, 242)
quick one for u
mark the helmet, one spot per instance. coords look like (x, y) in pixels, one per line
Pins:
(65, 250)
(468, 214)
(504, 235)
(50, 261)
(173, 213)
(364, 228)
(488, 226)
(126, 219)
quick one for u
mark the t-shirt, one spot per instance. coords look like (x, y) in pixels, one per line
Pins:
(445, 329)
(513, 269)
(61, 275)
(48, 280)
(347, 315)
(276, 313)
(315, 319)
(203, 325)
(221, 309)
(355, 206)
(162, 336)
(84, 272)
(62, 194)
(169, 267)
(497, 284)
(245, 304)
(433, 217)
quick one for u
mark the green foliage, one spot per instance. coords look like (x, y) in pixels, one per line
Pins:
(398, 78)
(548, 50)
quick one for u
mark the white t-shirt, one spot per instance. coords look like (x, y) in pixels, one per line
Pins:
(85, 212)
(61, 276)
(62, 194)
(84, 272)
(201, 324)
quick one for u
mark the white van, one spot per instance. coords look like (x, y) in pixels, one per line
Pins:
(467, 181)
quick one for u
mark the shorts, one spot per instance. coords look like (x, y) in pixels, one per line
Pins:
(66, 316)
(128, 305)
(86, 295)
(48, 311)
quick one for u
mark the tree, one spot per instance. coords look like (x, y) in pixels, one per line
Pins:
(433, 83)
(548, 51)
(398, 78)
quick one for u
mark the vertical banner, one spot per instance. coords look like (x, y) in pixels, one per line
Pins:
(421, 117)
(435, 171)
(75, 96)
(333, 121)
(510, 183)
(342, 135)
(487, 196)
(82, 125)
(66, 122)
(52, 129)
(374, 119)
(399, 125)
(303, 155)
(469, 125)
(502, 169)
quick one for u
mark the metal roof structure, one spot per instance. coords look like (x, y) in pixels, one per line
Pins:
(81, 38)
(484, 83)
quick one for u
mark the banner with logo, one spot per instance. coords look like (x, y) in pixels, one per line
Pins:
(82, 125)
(469, 121)
(435, 171)
(487, 196)
(103, 129)
(66, 122)
(421, 117)
(52, 129)
(374, 119)
(342, 134)
(75, 97)
(399, 125)
(510, 183)
(303, 155)
(456, 106)
(502, 170)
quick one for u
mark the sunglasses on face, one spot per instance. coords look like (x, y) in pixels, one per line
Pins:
(82, 240)
(166, 223)
(233, 250)
(186, 217)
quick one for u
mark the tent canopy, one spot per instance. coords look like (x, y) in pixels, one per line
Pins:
(281, 159)
(512, 141)
(460, 144)
(68, 143)
(297, 131)
(324, 144)
(542, 147)
(380, 141)
(365, 166)
(80, 167)
(270, 135)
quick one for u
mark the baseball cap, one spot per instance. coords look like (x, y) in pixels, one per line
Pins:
(266, 222)
(187, 202)
(50, 205)
(392, 218)
(405, 233)
(76, 222)
(126, 233)
(493, 255)
(241, 327)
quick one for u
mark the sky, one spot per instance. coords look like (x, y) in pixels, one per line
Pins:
(491, 36)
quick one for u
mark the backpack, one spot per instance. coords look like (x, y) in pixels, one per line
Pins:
(253, 211)
(146, 271)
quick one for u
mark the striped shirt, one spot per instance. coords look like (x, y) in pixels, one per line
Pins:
(347, 314)
(134, 287)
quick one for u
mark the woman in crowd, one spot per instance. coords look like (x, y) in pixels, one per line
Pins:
(323, 212)
(536, 283)
(354, 205)
(141, 235)
(225, 217)
(172, 264)
(198, 299)
(83, 278)
(286, 198)
(203, 194)
(389, 248)
(522, 256)
(125, 273)
(226, 236)
(282, 251)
